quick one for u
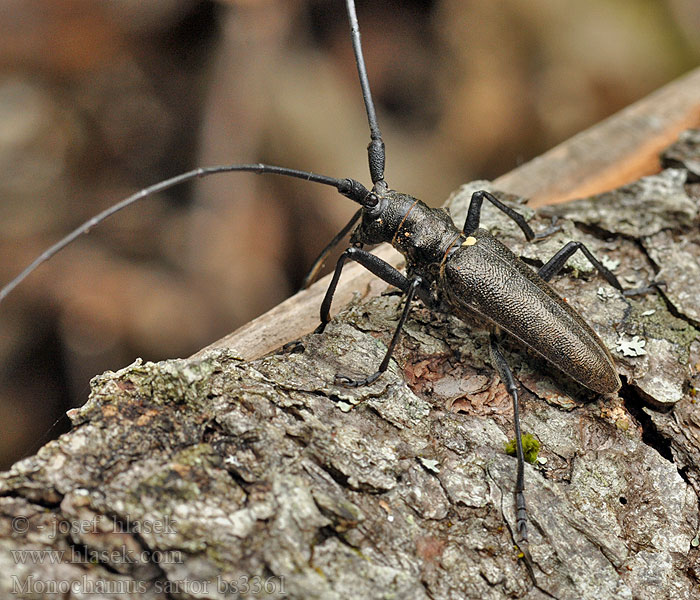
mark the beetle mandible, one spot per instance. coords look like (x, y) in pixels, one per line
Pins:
(466, 271)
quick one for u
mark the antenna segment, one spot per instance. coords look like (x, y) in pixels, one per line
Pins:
(375, 149)
(348, 187)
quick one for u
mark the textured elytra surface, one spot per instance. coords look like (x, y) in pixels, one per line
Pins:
(400, 489)
(482, 278)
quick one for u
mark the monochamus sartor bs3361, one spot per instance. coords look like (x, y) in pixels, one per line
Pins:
(464, 271)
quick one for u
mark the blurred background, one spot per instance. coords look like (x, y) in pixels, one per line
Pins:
(100, 99)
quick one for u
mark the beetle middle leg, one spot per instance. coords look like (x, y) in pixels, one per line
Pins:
(471, 223)
(387, 273)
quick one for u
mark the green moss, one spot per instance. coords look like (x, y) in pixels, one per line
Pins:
(531, 447)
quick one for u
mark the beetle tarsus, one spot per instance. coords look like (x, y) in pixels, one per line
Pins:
(645, 289)
(346, 381)
(414, 284)
(552, 229)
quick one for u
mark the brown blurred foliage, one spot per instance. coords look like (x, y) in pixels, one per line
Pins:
(99, 99)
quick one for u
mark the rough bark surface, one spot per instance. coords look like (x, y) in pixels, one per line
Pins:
(213, 477)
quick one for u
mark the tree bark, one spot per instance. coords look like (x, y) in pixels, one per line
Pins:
(217, 477)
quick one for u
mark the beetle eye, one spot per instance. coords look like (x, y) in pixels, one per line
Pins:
(374, 205)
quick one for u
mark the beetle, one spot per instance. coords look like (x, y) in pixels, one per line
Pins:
(466, 271)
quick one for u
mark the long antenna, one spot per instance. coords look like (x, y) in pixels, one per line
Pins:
(375, 150)
(348, 187)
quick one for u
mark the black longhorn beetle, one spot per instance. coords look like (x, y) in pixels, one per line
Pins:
(467, 272)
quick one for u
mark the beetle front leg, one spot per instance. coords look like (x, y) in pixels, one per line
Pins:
(508, 380)
(349, 381)
(387, 273)
(372, 263)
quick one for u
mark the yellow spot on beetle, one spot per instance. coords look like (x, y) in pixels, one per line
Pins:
(470, 241)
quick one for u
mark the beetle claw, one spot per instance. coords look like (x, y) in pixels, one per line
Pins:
(553, 228)
(654, 286)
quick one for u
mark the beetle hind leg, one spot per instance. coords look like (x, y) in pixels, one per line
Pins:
(508, 380)
(557, 262)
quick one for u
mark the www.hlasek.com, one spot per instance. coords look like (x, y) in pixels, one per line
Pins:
(118, 555)
(249, 586)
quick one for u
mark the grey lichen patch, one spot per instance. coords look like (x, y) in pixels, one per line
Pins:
(190, 490)
(621, 484)
(464, 482)
(661, 369)
(402, 408)
(341, 350)
(424, 494)
(105, 536)
(633, 346)
(649, 317)
(658, 375)
(315, 370)
(678, 261)
(178, 380)
(547, 388)
(365, 462)
(425, 337)
(349, 575)
(295, 523)
(640, 209)
(345, 514)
